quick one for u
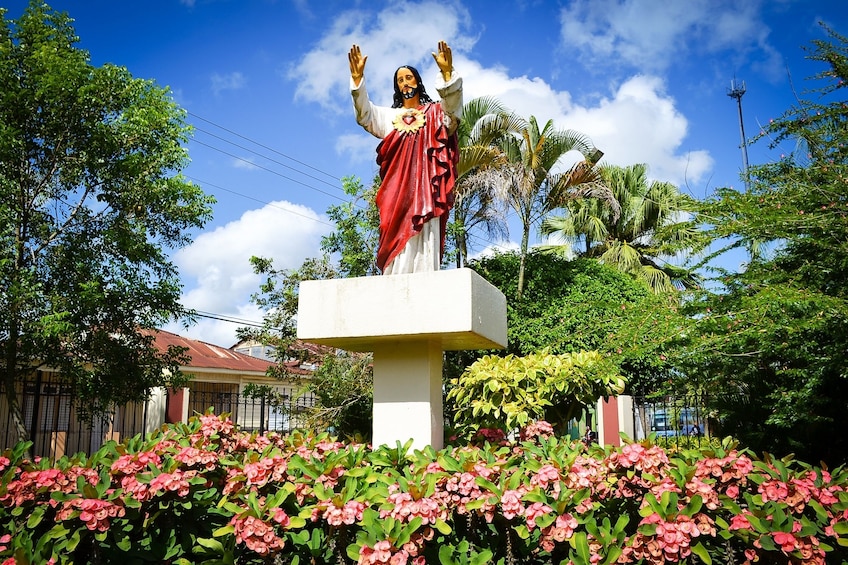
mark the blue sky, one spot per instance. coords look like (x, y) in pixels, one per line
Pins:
(266, 86)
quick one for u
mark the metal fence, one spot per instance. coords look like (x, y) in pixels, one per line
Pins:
(278, 409)
(55, 427)
(673, 418)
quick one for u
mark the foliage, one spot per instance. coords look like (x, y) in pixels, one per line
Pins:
(653, 226)
(581, 305)
(510, 392)
(205, 493)
(343, 384)
(357, 230)
(278, 296)
(484, 122)
(775, 335)
(91, 200)
(528, 181)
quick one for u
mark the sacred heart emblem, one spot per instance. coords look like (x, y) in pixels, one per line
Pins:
(409, 121)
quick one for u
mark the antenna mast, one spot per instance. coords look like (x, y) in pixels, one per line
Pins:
(736, 91)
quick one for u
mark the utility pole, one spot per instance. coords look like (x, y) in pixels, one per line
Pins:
(736, 91)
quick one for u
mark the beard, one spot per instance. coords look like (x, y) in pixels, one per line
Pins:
(409, 94)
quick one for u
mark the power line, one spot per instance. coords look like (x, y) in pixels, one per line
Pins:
(240, 136)
(334, 185)
(242, 159)
(485, 242)
(263, 202)
(224, 318)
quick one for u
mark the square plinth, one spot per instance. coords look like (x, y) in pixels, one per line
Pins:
(457, 308)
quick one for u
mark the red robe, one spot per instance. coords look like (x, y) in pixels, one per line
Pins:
(418, 172)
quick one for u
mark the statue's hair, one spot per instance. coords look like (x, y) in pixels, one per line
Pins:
(422, 94)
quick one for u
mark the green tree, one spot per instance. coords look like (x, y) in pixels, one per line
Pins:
(774, 338)
(278, 296)
(342, 382)
(654, 226)
(582, 305)
(357, 232)
(529, 182)
(90, 199)
(484, 123)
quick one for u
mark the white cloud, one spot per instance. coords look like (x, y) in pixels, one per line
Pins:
(637, 123)
(245, 163)
(649, 36)
(217, 262)
(396, 36)
(361, 148)
(493, 249)
(231, 81)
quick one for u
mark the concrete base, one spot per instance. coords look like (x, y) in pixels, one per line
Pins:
(407, 321)
(408, 394)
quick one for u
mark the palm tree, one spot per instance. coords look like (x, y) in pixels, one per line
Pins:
(652, 226)
(526, 179)
(484, 123)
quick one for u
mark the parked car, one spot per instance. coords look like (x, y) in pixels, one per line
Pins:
(665, 424)
(662, 424)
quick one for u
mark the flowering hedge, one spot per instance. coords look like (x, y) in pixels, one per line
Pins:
(205, 493)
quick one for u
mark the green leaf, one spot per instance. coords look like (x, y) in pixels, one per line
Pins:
(702, 552)
(841, 527)
(212, 544)
(353, 551)
(613, 554)
(521, 531)
(224, 531)
(445, 555)
(580, 543)
(442, 526)
(35, 517)
(484, 556)
(545, 520)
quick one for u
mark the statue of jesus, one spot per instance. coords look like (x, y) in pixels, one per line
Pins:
(417, 158)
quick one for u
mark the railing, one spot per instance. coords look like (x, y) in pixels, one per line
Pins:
(54, 425)
(673, 419)
(55, 428)
(279, 410)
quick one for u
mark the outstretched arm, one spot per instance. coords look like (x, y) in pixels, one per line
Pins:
(357, 64)
(444, 60)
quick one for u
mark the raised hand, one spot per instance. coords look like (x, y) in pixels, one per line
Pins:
(357, 64)
(444, 60)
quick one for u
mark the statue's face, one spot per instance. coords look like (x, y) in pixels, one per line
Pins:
(407, 84)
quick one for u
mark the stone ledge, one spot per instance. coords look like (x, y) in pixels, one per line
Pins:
(456, 308)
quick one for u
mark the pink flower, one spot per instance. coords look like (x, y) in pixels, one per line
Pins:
(739, 522)
(94, 513)
(534, 511)
(511, 504)
(256, 534)
(785, 540)
(538, 429)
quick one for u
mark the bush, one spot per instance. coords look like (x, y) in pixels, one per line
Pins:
(510, 392)
(205, 493)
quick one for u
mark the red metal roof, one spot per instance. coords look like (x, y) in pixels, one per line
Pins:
(207, 356)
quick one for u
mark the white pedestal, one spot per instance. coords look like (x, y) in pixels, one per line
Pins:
(407, 321)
